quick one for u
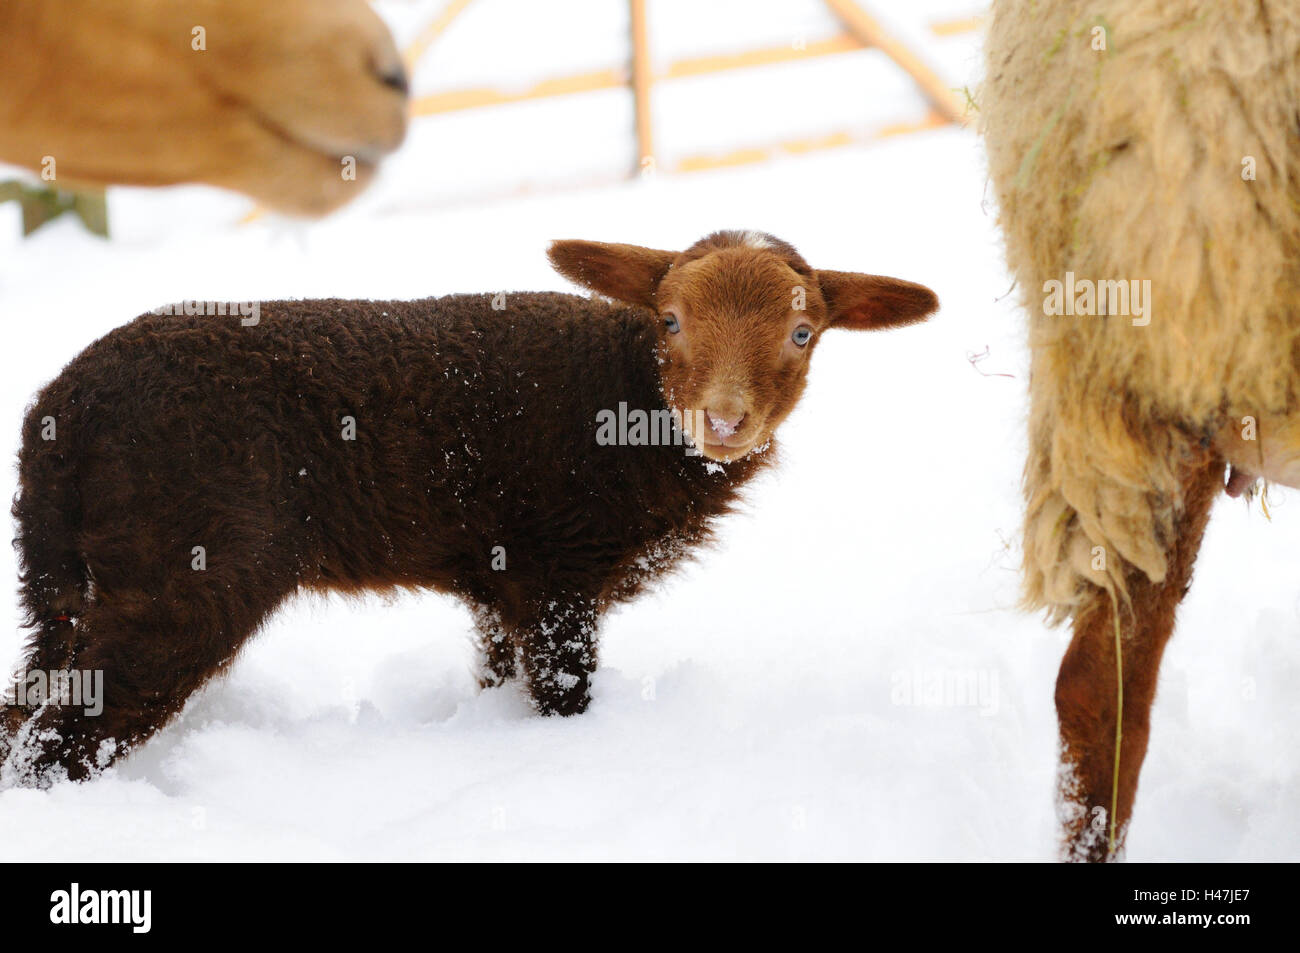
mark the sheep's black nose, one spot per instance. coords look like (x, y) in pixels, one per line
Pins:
(397, 80)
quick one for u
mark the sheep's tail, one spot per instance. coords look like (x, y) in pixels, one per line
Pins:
(53, 580)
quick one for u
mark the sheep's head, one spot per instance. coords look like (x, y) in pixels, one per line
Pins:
(739, 316)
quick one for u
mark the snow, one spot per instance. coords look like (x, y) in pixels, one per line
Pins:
(844, 677)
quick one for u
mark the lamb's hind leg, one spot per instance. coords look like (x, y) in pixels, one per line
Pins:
(138, 660)
(499, 651)
(51, 649)
(1097, 794)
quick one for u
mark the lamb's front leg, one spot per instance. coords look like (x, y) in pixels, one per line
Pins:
(558, 649)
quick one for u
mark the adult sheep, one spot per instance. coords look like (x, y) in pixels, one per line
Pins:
(269, 99)
(1142, 141)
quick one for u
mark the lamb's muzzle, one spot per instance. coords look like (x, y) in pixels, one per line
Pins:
(724, 426)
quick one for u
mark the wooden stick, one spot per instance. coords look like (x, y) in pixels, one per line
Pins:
(642, 79)
(957, 26)
(457, 99)
(718, 63)
(420, 45)
(791, 147)
(867, 29)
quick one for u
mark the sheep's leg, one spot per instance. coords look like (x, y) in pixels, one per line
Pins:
(558, 651)
(137, 666)
(1086, 697)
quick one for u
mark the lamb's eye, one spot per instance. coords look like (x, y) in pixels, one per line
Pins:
(802, 335)
(671, 322)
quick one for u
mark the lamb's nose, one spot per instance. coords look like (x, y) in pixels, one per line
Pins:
(724, 425)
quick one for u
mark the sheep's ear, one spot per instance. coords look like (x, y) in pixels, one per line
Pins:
(872, 302)
(625, 272)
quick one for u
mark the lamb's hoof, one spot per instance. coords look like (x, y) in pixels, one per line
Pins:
(575, 706)
(489, 679)
(571, 702)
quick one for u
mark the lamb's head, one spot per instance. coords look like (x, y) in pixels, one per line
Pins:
(740, 314)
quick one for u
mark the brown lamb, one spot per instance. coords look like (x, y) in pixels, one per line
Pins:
(451, 444)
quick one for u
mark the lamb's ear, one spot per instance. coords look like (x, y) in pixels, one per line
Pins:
(626, 272)
(872, 302)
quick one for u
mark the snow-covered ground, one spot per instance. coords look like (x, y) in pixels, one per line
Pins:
(763, 704)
